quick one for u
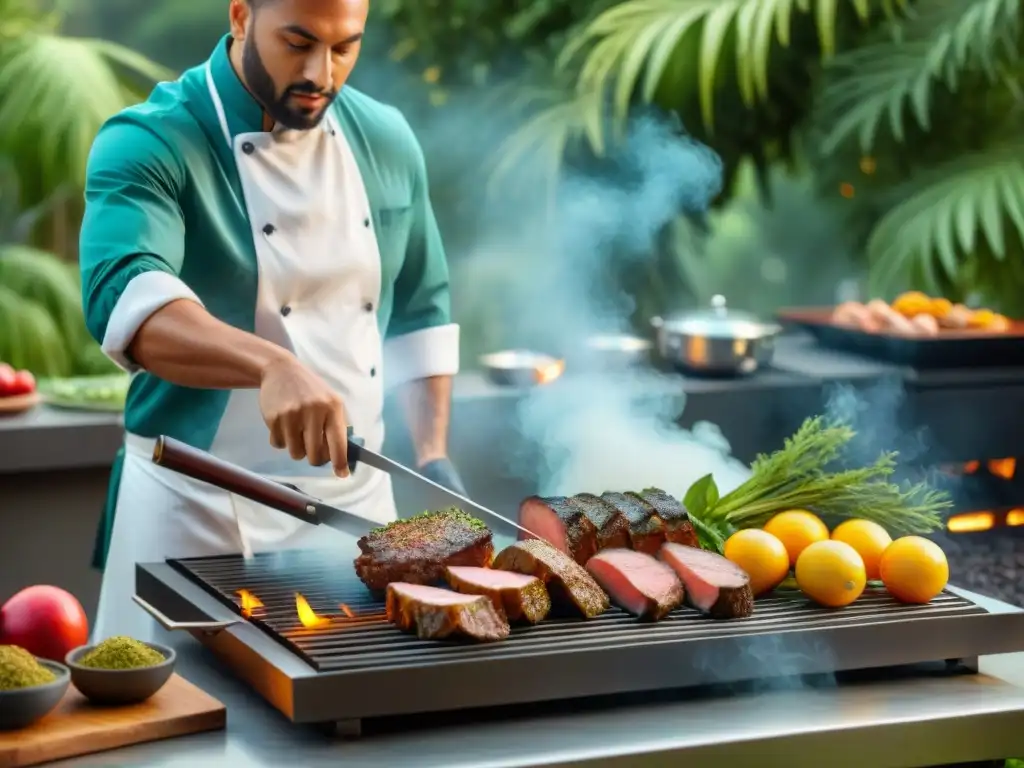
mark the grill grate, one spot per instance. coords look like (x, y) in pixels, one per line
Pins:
(365, 640)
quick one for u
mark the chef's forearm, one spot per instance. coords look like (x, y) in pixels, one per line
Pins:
(428, 404)
(184, 344)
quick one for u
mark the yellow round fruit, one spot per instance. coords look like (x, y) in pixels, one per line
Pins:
(761, 555)
(913, 569)
(831, 573)
(797, 529)
(868, 538)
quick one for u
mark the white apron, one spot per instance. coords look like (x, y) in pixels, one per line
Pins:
(319, 281)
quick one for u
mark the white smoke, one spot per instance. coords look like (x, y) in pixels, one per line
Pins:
(617, 431)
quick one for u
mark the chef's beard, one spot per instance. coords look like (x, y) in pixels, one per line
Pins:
(263, 89)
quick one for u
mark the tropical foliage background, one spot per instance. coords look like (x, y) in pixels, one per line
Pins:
(876, 141)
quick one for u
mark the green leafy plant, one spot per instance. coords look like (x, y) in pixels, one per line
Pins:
(42, 327)
(740, 73)
(935, 103)
(55, 93)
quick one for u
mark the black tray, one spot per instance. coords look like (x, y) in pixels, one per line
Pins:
(952, 349)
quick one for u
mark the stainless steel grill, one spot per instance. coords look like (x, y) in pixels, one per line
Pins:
(359, 666)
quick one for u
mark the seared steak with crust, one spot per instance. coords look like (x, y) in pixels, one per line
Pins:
(560, 523)
(646, 530)
(637, 582)
(567, 581)
(417, 550)
(612, 526)
(518, 597)
(435, 614)
(674, 517)
(714, 585)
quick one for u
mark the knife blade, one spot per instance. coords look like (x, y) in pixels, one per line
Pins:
(434, 496)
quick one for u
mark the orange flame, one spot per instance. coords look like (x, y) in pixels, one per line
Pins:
(545, 374)
(971, 522)
(308, 617)
(347, 611)
(1004, 468)
(249, 602)
(1015, 517)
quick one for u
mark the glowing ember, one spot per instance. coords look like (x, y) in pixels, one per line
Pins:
(307, 615)
(545, 374)
(249, 602)
(1004, 468)
(347, 611)
(1015, 517)
(972, 522)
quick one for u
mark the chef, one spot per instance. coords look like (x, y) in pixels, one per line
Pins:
(259, 250)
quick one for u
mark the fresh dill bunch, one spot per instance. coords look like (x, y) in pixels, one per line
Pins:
(797, 477)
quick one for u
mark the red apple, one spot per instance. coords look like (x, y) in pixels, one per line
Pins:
(45, 621)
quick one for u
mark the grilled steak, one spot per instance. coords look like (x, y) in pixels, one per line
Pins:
(417, 550)
(560, 523)
(434, 614)
(637, 582)
(713, 585)
(612, 526)
(646, 531)
(674, 517)
(518, 597)
(567, 581)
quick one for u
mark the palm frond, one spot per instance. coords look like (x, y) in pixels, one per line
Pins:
(56, 92)
(972, 203)
(897, 74)
(535, 151)
(638, 40)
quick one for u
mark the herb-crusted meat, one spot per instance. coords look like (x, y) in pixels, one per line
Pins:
(646, 530)
(674, 517)
(517, 596)
(567, 581)
(612, 526)
(436, 614)
(417, 550)
(561, 523)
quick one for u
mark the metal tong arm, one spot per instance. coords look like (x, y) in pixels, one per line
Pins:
(170, 625)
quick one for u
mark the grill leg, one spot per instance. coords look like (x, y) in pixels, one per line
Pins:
(346, 729)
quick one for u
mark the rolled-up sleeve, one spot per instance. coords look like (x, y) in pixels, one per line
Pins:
(422, 340)
(132, 242)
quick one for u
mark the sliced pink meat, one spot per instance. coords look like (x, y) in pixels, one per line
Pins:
(713, 585)
(561, 523)
(435, 614)
(518, 596)
(637, 582)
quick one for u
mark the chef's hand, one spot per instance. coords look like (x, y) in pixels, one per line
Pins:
(443, 472)
(304, 415)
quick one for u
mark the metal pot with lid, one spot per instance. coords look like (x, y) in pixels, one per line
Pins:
(717, 340)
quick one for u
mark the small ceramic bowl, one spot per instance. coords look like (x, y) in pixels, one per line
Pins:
(23, 706)
(120, 686)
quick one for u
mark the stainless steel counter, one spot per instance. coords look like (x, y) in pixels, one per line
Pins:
(892, 721)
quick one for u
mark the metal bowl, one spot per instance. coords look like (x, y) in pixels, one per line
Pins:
(23, 706)
(716, 342)
(120, 686)
(521, 368)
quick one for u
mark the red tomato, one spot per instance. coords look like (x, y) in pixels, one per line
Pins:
(45, 621)
(23, 383)
(6, 379)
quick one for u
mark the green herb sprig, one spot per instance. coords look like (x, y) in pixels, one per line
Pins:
(797, 477)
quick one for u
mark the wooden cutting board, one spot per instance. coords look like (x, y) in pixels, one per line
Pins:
(78, 728)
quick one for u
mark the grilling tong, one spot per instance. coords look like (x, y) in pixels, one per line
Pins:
(182, 458)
